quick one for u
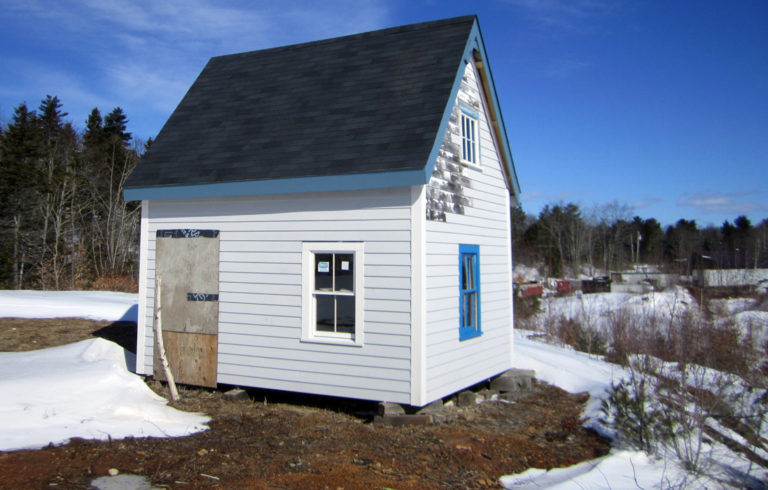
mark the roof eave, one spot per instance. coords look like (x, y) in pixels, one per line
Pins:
(326, 183)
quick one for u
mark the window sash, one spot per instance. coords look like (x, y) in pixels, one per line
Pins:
(332, 277)
(469, 292)
(468, 138)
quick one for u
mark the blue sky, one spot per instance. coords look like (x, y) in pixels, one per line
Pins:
(660, 106)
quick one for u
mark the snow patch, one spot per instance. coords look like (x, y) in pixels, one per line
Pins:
(81, 390)
(92, 305)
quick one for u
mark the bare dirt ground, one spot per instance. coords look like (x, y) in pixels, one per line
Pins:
(282, 440)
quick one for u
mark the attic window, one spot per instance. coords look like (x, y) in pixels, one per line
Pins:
(469, 136)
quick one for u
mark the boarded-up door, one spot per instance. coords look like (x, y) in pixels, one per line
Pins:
(187, 263)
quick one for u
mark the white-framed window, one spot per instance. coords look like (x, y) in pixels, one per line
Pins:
(469, 149)
(332, 292)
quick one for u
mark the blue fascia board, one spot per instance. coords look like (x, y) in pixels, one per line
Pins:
(497, 108)
(326, 183)
(475, 42)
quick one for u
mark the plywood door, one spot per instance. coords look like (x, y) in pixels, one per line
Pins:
(187, 262)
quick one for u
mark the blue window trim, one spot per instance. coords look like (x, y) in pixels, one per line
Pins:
(470, 112)
(469, 331)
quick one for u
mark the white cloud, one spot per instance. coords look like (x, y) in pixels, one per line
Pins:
(732, 203)
(646, 203)
(146, 54)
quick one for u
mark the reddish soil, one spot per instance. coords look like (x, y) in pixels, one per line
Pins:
(281, 440)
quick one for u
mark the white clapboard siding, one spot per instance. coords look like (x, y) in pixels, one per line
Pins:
(260, 289)
(452, 364)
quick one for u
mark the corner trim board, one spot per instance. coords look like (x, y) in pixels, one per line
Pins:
(141, 313)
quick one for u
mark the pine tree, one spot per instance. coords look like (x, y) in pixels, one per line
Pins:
(115, 125)
(94, 136)
(55, 188)
(18, 155)
(111, 222)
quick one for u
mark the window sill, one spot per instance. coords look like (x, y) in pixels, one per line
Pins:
(474, 166)
(332, 341)
(469, 335)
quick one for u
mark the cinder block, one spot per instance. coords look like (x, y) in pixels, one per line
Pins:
(514, 380)
(389, 408)
(466, 399)
(433, 408)
(236, 394)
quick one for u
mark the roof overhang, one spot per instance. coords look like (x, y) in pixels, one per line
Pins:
(474, 52)
(326, 183)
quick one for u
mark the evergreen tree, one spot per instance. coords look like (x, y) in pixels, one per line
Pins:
(94, 136)
(652, 243)
(18, 156)
(115, 126)
(55, 188)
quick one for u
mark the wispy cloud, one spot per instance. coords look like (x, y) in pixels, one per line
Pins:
(732, 203)
(646, 203)
(145, 54)
(576, 15)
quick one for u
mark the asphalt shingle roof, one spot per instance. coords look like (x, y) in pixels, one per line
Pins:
(369, 102)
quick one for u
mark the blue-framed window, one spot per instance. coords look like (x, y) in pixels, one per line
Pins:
(469, 292)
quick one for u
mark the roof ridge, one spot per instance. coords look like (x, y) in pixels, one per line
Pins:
(383, 31)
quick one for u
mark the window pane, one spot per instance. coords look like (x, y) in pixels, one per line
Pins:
(463, 272)
(345, 311)
(325, 313)
(469, 309)
(467, 271)
(470, 271)
(324, 272)
(344, 272)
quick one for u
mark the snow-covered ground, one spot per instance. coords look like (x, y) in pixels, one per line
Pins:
(85, 389)
(93, 305)
(577, 372)
(597, 311)
(79, 390)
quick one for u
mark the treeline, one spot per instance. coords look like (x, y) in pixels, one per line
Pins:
(567, 240)
(64, 222)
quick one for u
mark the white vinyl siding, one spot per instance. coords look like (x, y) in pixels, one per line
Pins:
(453, 364)
(260, 273)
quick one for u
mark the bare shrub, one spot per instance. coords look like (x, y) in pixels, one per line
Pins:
(622, 340)
(571, 332)
(122, 283)
(526, 306)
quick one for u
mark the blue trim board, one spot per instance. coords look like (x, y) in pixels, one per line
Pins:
(497, 108)
(348, 182)
(466, 110)
(473, 331)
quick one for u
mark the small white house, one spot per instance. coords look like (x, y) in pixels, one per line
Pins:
(333, 218)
